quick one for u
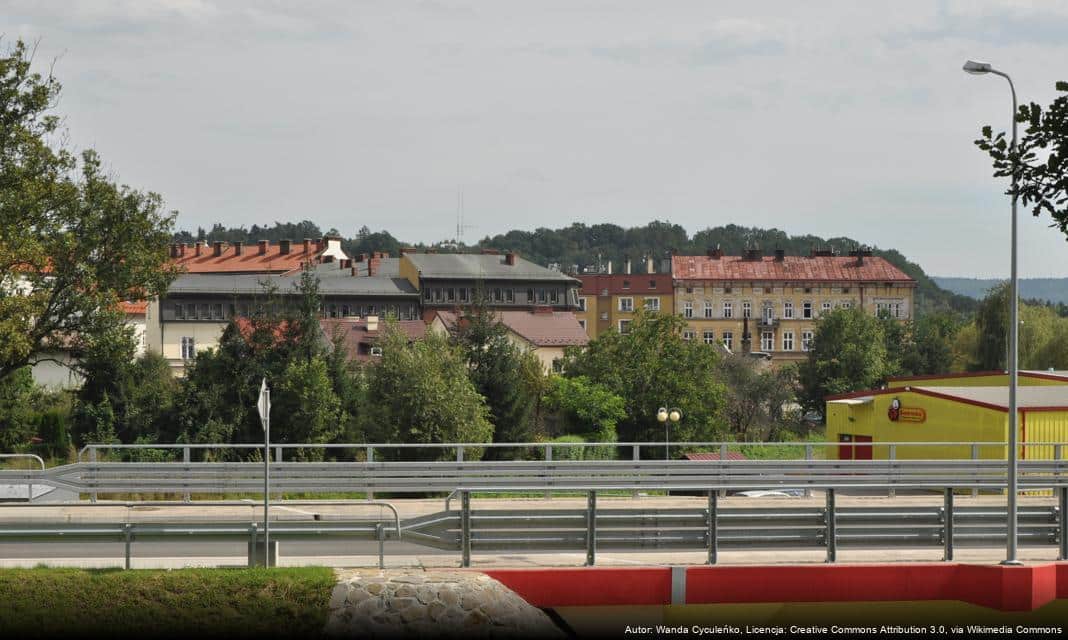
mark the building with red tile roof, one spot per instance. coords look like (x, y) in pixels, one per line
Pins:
(360, 336)
(263, 257)
(544, 331)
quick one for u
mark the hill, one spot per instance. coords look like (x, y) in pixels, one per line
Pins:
(1053, 290)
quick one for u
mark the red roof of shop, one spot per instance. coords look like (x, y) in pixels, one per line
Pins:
(790, 268)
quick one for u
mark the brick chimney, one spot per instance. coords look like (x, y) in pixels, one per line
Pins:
(198, 248)
(510, 257)
(263, 246)
(181, 249)
(715, 252)
(216, 248)
(752, 253)
(307, 245)
(372, 267)
(354, 271)
(780, 255)
(174, 249)
(283, 247)
(238, 247)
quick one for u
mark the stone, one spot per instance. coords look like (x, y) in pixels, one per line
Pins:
(370, 607)
(475, 618)
(436, 610)
(449, 596)
(375, 588)
(425, 594)
(339, 595)
(400, 604)
(414, 612)
(357, 594)
(471, 600)
(404, 591)
(409, 579)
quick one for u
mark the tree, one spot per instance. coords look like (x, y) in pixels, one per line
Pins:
(584, 408)
(1040, 158)
(419, 392)
(73, 243)
(652, 366)
(848, 353)
(307, 408)
(755, 397)
(16, 410)
(992, 323)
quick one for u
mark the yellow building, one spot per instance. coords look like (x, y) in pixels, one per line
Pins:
(608, 301)
(862, 422)
(771, 303)
(980, 379)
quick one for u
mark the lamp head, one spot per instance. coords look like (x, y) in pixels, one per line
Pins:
(977, 68)
(675, 415)
(662, 414)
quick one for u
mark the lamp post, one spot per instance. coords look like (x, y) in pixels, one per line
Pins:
(666, 416)
(981, 68)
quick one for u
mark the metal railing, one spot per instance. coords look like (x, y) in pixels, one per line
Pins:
(26, 456)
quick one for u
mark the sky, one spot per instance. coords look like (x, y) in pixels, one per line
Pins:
(829, 118)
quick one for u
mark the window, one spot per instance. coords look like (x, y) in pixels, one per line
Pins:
(767, 289)
(370, 309)
(204, 313)
(189, 348)
(825, 307)
(604, 292)
(333, 311)
(728, 339)
(498, 295)
(216, 311)
(768, 313)
(847, 304)
(626, 284)
(689, 289)
(509, 295)
(845, 289)
(232, 310)
(788, 310)
(767, 340)
(806, 311)
(450, 294)
(747, 309)
(554, 296)
(688, 334)
(624, 326)
(346, 310)
(179, 312)
(541, 296)
(787, 340)
(727, 290)
(582, 304)
(708, 309)
(708, 337)
(464, 295)
(530, 296)
(728, 310)
(652, 304)
(376, 351)
(806, 340)
(652, 284)
(437, 294)
(626, 304)
(808, 290)
(582, 323)
(426, 294)
(687, 309)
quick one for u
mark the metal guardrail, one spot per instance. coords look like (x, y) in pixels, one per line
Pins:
(30, 456)
(710, 529)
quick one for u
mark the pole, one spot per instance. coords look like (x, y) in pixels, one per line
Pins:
(267, 486)
(1014, 332)
(667, 442)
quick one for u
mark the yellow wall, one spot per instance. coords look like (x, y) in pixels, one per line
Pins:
(993, 380)
(590, 315)
(597, 305)
(1045, 426)
(408, 271)
(206, 335)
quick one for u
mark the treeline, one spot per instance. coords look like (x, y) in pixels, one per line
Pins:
(581, 246)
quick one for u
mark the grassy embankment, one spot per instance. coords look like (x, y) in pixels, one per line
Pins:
(287, 602)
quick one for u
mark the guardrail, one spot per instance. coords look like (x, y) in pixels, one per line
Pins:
(709, 529)
(30, 456)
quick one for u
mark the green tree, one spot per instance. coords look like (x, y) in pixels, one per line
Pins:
(584, 408)
(756, 397)
(1040, 158)
(652, 366)
(73, 243)
(848, 353)
(307, 409)
(16, 410)
(992, 323)
(419, 392)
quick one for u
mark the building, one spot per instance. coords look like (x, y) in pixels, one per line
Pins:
(860, 421)
(608, 300)
(544, 332)
(447, 281)
(758, 303)
(360, 336)
(981, 379)
(264, 257)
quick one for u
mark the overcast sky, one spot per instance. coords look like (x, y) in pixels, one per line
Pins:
(831, 118)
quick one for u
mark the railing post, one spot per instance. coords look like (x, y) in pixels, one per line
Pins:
(947, 525)
(893, 456)
(1064, 523)
(129, 538)
(459, 454)
(380, 535)
(831, 523)
(253, 544)
(185, 459)
(808, 458)
(637, 456)
(370, 458)
(975, 456)
(713, 533)
(591, 528)
(278, 454)
(548, 459)
(465, 528)
(92, 458)
(722, 459)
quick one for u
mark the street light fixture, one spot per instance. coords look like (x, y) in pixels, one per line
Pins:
(666, 415)
(982, 68)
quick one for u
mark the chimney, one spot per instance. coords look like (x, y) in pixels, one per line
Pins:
(283, 247)
(182, 248)
(626, 266)
(649, 266)
(198, 248)
(609, 267)
(509, 258)
(307, 245)
(406, 250)
(328, 258)
(216, 248)
(238, 247)
(372, 323)
(345, 263)
(752, 253)
(780, 255)
(487, 252)
(263, 246)
(372, 268)
(174, 249)
(353, 270)
(715, 252)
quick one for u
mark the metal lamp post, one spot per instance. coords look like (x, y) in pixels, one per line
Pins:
(667, 416)
(981, 68)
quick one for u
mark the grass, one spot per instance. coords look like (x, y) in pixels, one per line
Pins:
(45, 602)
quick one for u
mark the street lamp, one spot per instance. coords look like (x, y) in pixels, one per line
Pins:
(982, 68)
(665, 415)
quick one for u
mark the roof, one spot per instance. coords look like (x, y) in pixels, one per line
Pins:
(539, 328)
(790, 269)
(998, 397)
(731, 455)
(354, 333)
(137, 308)
(637, 283)
(252, 284)
(481, 266)
(250, 260)
(1047, 375)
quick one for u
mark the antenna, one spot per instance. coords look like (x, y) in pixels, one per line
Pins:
(460, 226)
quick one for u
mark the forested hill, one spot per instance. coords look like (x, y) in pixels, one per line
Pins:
(1053, 290)
(585, 246)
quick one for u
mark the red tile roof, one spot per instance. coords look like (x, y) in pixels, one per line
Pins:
(638, 283)
(250, 260)
(706, 457)
(355, 334)
(790, 268)
(134, 308)
(540, 328)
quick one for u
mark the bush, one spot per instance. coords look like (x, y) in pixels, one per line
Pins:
(580, 453)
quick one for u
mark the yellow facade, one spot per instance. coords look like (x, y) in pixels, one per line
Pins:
(615, 310)
(945, 420)
(782, 317)
(985, 379)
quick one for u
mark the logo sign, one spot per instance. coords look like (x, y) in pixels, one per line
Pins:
(897, 413)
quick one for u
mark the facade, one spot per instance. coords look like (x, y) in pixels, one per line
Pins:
(608, 300)
(981, 379)
(860, 421)
(544, 332)
(757, 303)
(447, 281)
(360, 336)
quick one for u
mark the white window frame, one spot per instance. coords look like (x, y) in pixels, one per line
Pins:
(687, 309)
(747, 309)
(708, 308)
(806, 340)
(582, 303)
(582, 323)
(728, 309)
(688, 335)
(708, 336)
(806, 310)
(651, 304)
(767, 340)
(728, 339)
(624, 323)
(189, 347)
(825, 307)
(787, 340)
(788, 310)
(626, 304)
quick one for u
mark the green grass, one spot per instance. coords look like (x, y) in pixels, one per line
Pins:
(43, 602)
